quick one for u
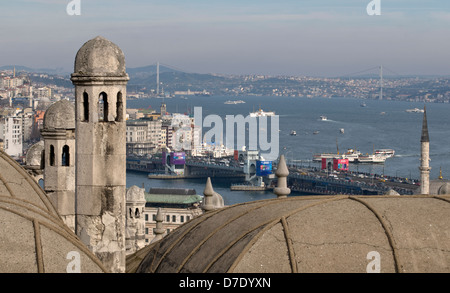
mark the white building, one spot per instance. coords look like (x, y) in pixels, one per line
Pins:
(143, 136)
(11, 133)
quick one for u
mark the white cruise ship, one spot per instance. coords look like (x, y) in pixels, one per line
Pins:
(260, 113)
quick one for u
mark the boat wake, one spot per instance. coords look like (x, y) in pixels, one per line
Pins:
(407, 155)
(418, 155)
(329, 120)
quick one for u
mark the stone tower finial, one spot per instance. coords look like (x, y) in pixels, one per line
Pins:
(159, 230)
(212, 199)
(425, 157)
(282, 172)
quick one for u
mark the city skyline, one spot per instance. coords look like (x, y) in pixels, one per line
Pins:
(313, 38)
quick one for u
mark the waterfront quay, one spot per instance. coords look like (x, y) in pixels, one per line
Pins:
(301, 179)
(314, 181)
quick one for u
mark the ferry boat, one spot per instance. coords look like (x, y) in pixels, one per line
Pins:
(351, 154)
(260, 113)
(388, 153)
(371, 159)
(415, 110)
(323, 118)
(293, 133)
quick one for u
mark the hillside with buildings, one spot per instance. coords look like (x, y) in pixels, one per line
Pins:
(24, 97)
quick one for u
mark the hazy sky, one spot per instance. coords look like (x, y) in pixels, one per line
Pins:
(283, 37)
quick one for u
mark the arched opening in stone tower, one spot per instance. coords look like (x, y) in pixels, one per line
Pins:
(85, 107)
(119, 108)
(52, 155)
(65, 159)
(103, 107)
(137, 213)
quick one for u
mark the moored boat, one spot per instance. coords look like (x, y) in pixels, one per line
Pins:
(371, 159)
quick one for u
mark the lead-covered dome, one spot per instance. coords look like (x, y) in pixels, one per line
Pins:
(33, 237)
(100, 57)
(308, 234)
(60, 115)
(35, 155)
(444, 189)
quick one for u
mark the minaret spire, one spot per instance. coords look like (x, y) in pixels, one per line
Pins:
(425, 156)
(425, 137)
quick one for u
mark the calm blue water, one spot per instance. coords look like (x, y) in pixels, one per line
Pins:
(365, 129)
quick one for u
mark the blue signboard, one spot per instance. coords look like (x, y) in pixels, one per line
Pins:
(263, 168)
(178, 158)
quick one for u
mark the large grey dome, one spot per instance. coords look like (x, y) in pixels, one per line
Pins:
(308, 234)
(99, 57)
(60, 115)
(33, 237)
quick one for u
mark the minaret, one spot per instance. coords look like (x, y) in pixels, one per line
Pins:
(425, 157)
(157, 79)
(100, 81)
(163, 109)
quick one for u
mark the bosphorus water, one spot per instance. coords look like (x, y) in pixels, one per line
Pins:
(381, 124)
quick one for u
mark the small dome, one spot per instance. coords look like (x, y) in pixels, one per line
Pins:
(60, 115)
(135, 195)
(33, 237)
(444, 189)
(100, 57)
(34, 154)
